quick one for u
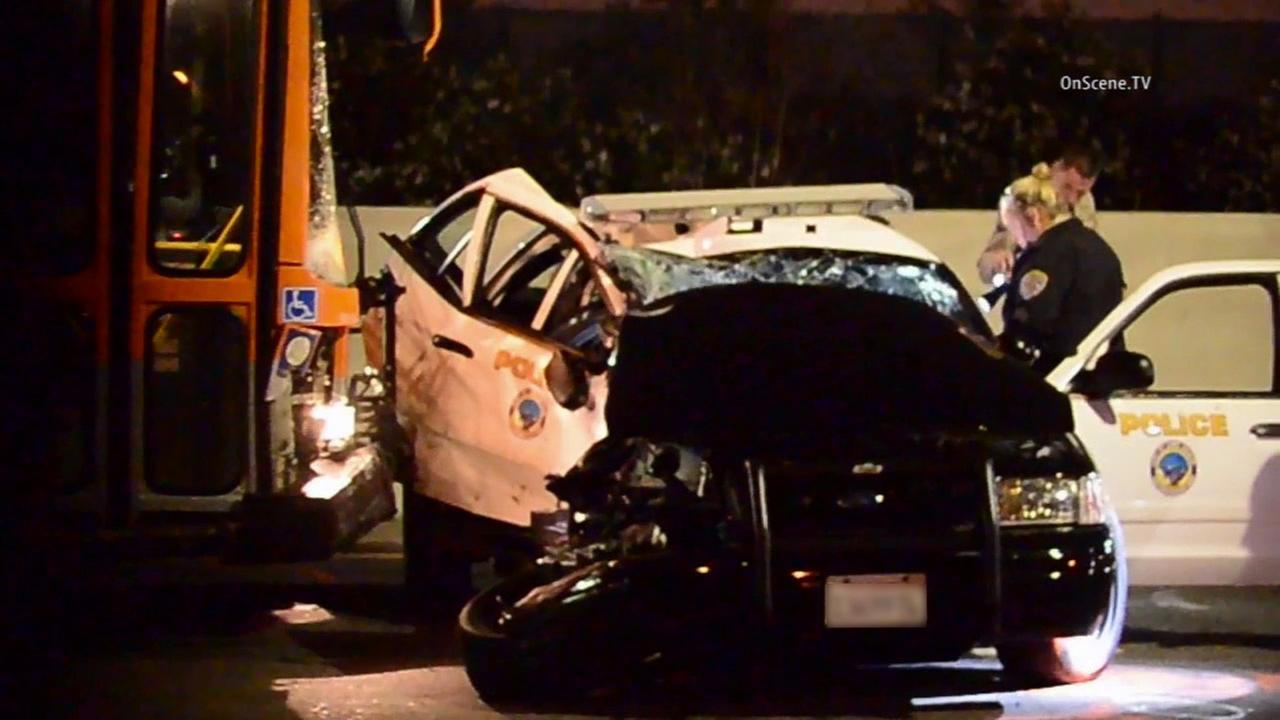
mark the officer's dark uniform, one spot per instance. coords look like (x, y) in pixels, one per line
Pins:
(1062, 286)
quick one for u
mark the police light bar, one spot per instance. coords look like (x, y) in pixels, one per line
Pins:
(703, 205)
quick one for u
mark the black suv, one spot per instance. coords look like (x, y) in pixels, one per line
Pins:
(827, 457)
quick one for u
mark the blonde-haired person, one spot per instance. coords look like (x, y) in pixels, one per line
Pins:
(1065, 279)
(1073, 175)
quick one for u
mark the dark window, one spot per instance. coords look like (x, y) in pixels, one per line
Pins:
(73, 402)
(52, 138)
(578, 295)
(578, 315)
(440, 242)
(197, 402)
(522, 259)
(202, 156)
(50, 399)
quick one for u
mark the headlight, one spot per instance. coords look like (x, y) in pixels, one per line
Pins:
(332, 477)
(1049, 500)
(337, 422)
(1092, 504)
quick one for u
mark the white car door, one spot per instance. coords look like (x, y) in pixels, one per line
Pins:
(472, 348)
(1193, 462)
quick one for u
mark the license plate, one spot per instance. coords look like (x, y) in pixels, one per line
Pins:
(876, 601)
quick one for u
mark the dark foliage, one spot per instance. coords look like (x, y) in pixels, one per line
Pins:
(1003, 108)
(710, 94)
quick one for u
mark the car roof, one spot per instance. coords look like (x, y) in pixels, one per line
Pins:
(846, 233)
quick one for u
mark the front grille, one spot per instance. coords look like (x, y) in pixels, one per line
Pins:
(916, 516)
(911, 499)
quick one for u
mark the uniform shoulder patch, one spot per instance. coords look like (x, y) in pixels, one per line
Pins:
(1033, 283)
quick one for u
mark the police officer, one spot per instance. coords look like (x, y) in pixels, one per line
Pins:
(1063, 282)
(1073, 175)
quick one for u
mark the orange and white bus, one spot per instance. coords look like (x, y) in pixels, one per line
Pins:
(180, 301)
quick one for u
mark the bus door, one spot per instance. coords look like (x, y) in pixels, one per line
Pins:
(195, 266)
(163, 262)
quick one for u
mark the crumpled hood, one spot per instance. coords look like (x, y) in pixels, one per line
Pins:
(764, 369)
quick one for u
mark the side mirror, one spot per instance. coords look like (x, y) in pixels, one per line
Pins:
(1117, 370)
(568, 381)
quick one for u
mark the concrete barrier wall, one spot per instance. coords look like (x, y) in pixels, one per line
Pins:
(1145, 241)
(375, 221)
(1211, 339)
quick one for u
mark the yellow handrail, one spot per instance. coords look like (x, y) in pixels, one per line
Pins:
(216, 251)
(194, 245)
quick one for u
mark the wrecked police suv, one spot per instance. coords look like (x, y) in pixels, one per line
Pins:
(767, 418)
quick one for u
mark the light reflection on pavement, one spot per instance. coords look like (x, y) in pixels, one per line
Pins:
(343, 644)
(1146, 681)
(1124, 691)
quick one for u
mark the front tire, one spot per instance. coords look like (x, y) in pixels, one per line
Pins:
(497, 669)
(558, 655)
(1075, 659)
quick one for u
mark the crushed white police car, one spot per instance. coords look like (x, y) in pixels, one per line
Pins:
(1189, 469)
(766, 408)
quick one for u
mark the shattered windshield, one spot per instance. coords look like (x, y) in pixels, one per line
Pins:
(649, 276)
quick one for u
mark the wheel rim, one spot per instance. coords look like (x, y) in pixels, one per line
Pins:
(1085, 656)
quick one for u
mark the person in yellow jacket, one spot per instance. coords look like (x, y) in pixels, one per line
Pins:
(1072, 175)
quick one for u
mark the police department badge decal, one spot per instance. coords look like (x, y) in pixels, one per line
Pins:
(1173, 467)
(527, 415)
(1033, 283)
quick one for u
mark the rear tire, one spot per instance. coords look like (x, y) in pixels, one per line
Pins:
(1066, 660)
(437, 574)
(444, 544)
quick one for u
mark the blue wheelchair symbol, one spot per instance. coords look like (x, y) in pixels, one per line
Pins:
(300, 304)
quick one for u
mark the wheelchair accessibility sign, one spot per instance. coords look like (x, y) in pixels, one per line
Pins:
(300, 304)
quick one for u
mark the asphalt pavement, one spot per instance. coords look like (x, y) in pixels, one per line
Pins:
(195, 639)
